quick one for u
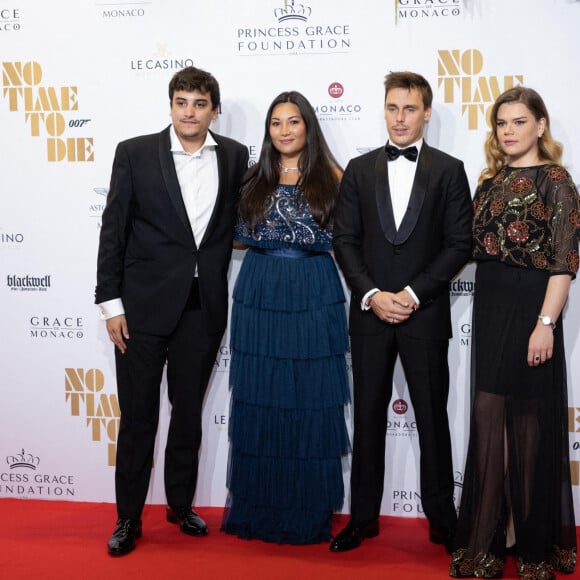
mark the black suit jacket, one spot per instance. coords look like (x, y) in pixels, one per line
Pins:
(431, 245)
(147, 252)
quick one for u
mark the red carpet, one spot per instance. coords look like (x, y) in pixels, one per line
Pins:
(67, 540)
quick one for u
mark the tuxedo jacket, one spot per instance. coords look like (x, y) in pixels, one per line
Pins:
(432, 243)
(147, 252)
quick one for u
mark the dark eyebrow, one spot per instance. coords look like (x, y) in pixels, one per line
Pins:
(514, 119)
(185, 99)
(289, 118)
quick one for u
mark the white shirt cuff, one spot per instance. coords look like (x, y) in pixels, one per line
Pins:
(111, 308)
(413, 295)
(363, 304)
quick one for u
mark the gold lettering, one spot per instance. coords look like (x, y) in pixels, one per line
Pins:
(74, 379)
(16, 75)
(448, 63)
(68, 99)
(95, 380)
(56, 149)
(108, 407)
(466, 89)
(449, 84)
(472, 62)
(75, 402)
(573, 419)
(71, 149)
(95, 424)
(113, 429)
(55, 124)
(112, 454)
(575, 472)
(13, 94)
(473, 111)
(35, 119)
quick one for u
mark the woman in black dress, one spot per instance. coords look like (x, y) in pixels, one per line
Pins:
(517, 474)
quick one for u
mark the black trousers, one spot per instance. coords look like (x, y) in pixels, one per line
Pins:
(427, 374)
(189, 353)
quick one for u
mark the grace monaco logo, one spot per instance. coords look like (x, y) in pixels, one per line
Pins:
(401, 422)
(335, 90)
(10, 20)
(337, 109)
(420, 9)
(400, 406)
(66, 327)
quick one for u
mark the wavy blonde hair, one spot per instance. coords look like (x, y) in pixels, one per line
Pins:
(549, 149)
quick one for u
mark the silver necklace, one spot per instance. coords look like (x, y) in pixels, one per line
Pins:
(287, 169)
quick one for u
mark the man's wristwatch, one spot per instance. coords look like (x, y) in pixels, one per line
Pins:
(546, 321)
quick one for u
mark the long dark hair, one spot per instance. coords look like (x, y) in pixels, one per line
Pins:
(319, 170)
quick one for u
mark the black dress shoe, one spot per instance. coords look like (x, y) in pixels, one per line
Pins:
(442, 536)
(189, 522)
(123, 539)
(353, 535)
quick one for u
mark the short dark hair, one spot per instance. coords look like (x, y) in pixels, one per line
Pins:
(194, 79)
(409, 80)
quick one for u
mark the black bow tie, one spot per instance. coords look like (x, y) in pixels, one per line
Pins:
(393, 152)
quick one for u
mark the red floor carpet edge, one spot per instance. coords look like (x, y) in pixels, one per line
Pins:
(67, 540)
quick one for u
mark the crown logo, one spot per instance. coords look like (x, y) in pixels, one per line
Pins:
(23, 459)
(292, 11)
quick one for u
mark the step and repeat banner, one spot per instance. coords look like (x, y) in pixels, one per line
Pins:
(79, 76)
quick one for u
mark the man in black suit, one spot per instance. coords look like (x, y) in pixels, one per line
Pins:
(402, 231)
(164, 253)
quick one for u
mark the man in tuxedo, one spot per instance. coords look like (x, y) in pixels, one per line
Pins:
(402, 231)
(164, 253)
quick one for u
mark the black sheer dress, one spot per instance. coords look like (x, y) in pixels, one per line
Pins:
(525, 229)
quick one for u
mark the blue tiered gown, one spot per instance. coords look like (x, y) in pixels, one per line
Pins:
(288, 379)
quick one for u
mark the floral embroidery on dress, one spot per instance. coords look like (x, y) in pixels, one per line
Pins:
(572, 261)
(491, 244)
(564, 560)
(521, 185)
(541, 571)
(482, 566)
(528, 217)
(518, 231)
(558, 173)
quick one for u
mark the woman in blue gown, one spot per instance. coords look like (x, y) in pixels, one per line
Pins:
(288, 372)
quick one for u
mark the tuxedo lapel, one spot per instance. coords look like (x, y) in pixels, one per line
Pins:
(417, 197)
(223, 179)
(170, 178)
(383, 197)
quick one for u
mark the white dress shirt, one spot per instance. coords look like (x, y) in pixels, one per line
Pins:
(198, 178)
(401, 176)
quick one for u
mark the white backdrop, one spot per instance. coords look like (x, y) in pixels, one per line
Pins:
(79, 76)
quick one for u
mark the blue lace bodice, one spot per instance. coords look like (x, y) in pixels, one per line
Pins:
(287, 223)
